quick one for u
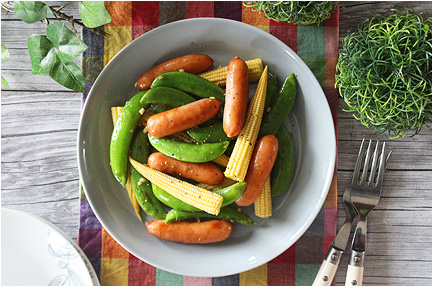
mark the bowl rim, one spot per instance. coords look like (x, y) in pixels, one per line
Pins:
(331, 165)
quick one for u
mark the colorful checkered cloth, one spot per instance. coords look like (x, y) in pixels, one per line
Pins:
(316, 45)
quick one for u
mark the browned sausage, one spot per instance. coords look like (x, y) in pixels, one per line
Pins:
(193, 64)
(236, 99)
(202, 172)
(182, 118)
(262, 161)
(191, 232)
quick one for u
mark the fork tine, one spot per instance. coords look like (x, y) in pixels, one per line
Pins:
(374, 164)
(382, 163)
(355, 174)
(366, 162)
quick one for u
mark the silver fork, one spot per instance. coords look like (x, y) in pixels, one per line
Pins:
(330, 263)
(365, 189)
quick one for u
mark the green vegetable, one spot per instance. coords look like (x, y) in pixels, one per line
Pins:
(190, 83)
(141, 186)
(127, 122)
(385, 72)
(226, 213)
(230, 194)
(296, 12)
(284, 166)
(271, 91)
(122, 136)
(160, 108)
(280, 108)
(189, 152)
(167, 97)
(211, 134)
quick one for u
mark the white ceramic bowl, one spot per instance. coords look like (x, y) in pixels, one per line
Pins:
(310, 122)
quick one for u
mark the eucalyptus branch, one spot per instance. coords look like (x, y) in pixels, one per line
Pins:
(73, 21)
(67, 4)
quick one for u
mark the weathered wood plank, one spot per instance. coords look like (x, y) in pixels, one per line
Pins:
(39, 166)
(406, 155)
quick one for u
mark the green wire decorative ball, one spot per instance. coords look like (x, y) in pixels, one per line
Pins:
(296, 12)
(384, 73)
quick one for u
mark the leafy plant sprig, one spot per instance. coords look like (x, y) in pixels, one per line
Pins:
(4, 55)
(296, 12)
(384, 73)
(53, 54)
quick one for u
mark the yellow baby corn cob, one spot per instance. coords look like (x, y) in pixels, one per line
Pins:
(222, 160)
(263, 203)
(240, 158)
(227, 182)
(219, 75)
(115, 111)
(188, 193)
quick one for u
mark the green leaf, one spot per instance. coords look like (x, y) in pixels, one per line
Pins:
(54, 54)
(94, 14)
(4, 56)
(5, 83)
(32, 11)
(5, 52)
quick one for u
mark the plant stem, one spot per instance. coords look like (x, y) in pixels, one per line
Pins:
(73, 21)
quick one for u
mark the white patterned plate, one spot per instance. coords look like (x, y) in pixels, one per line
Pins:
(36, 253)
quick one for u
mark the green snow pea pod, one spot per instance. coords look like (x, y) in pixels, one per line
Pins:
(190, 83)
(271, 91)
(160, 108)
(127, 122)
(170, 97)
(141, 186)
(284, 166)
(229, 194)
(226, 213)
(211, 134)
(280, 108)
(189, 152)
(122, 136)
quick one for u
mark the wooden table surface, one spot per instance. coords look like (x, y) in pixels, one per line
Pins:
(39, 124)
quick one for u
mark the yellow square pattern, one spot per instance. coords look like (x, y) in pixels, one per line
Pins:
(117, 38)
(255, 277)
(114, 272)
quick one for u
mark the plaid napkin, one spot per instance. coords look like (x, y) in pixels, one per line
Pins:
(316, 45)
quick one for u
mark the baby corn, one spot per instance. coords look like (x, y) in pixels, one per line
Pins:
(196, 196)
(263, 203)
(240, 158)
